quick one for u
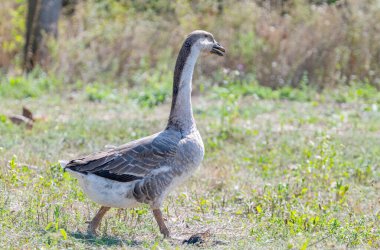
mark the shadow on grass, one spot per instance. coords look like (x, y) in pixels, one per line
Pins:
(103, 240)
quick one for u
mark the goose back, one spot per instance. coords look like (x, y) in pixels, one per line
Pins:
(131, 161)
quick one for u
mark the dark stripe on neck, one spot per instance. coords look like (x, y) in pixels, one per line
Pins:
(180, 64)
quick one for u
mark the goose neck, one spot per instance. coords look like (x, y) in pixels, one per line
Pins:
(181, 113)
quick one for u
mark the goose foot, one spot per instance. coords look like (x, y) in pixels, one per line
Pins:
(161, 224)
(94, 224)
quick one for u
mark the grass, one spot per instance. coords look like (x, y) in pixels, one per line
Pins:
(283, 168)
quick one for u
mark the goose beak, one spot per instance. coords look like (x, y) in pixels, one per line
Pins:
(218, 49)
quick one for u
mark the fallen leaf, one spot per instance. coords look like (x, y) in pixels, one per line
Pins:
(27, 113)
(19, 120)
(198, 238)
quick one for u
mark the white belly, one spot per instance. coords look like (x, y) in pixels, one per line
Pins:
(107, 192)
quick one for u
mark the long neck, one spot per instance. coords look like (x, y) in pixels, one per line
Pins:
(181, 113)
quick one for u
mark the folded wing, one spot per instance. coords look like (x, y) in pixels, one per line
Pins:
(131, 161)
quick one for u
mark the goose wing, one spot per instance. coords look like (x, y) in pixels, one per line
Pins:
(131, 161)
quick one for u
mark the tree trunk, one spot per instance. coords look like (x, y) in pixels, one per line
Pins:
(41, 22)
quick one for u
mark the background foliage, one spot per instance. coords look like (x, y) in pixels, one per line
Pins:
(277, 43)
(290, 123)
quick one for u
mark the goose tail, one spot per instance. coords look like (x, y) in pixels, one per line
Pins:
(63, 163)
(74, 173)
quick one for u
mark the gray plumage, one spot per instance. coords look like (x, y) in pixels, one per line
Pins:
(137, 160)
(145, 170)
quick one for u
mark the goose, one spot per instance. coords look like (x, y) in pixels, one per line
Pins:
(144, 171)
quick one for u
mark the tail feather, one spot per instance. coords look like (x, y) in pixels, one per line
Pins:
(63, 163)
(74, 173)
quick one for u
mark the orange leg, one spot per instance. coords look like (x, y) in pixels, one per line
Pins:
(161, 224)
(94, 224)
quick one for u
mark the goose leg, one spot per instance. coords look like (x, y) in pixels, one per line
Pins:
(94, 224)
(161, 224)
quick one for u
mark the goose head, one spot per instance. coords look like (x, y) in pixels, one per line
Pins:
(204, 41)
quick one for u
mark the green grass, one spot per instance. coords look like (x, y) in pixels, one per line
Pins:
(283, 168)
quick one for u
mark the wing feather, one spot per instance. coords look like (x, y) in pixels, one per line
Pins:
(130, 161)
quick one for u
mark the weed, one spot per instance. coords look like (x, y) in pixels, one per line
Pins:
(281, 169)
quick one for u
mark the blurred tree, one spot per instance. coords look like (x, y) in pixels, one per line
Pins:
(41, 22)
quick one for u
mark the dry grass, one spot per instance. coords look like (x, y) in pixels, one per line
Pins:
(294, 45)
(285, 174)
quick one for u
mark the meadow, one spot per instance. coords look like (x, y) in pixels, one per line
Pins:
(283, 169)
(290, 119)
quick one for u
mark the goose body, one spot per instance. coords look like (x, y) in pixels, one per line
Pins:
(146, 170)
(142, 171)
